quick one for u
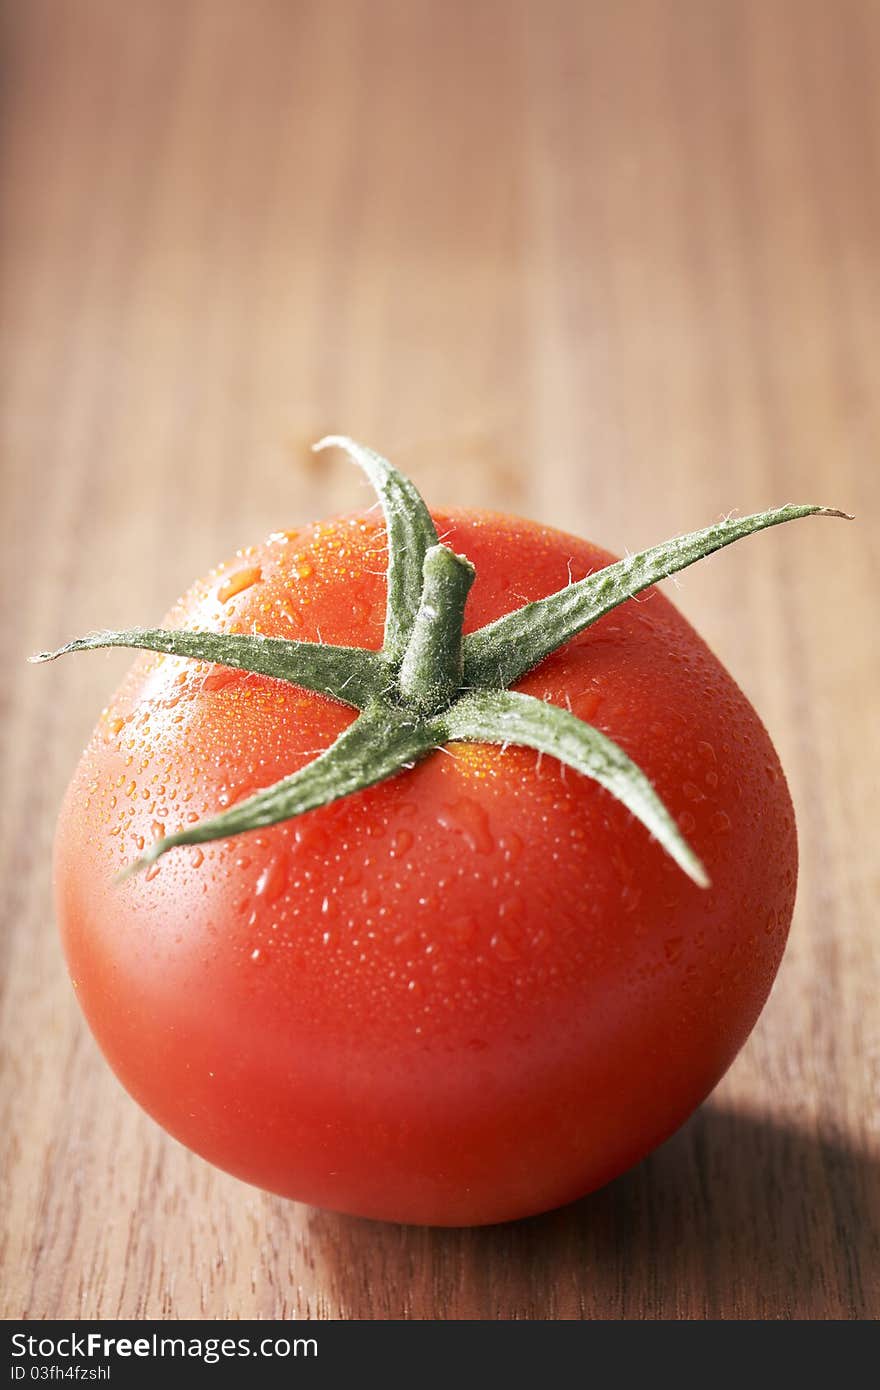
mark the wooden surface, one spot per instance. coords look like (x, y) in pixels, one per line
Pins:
(616, 266)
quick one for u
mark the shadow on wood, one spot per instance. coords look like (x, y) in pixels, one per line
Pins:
(735, 1216)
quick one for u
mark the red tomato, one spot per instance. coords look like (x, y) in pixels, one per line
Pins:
(473, 992)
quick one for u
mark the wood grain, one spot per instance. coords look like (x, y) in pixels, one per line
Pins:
(613, 265)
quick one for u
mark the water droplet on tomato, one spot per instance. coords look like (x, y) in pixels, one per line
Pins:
(631, 897)
(586, 705)
(273, 879)
(463, 929)
(511, 908)
(511, 845)
(468, 819)
(720, 822)
(503, 947)
(219, 679)
(401, 843)
(622, 867)
(238, 582)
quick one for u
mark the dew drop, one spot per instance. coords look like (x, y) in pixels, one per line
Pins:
(631, 897)
(511, 907)
(401, 843)
(238, 582)
(586, 705)
(511, 845)
(503, 947)
(273, 879)
(463, 929)
(622, 867)
(720, 822)
(469, 820)
(219, 679)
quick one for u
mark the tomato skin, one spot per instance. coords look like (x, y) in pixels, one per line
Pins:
(471, 993)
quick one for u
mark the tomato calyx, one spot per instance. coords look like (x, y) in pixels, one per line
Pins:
(430, 684)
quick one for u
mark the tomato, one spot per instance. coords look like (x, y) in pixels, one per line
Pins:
(473, 991)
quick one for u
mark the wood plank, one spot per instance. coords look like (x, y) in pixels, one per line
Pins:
(613, 266)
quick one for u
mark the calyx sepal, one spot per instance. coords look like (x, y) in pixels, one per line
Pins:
(430, 685)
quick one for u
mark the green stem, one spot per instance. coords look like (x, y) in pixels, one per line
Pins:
(430, 674)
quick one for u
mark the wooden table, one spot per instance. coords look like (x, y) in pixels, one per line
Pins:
(616, 266)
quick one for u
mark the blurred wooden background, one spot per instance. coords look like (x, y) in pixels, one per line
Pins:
(614, 265)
